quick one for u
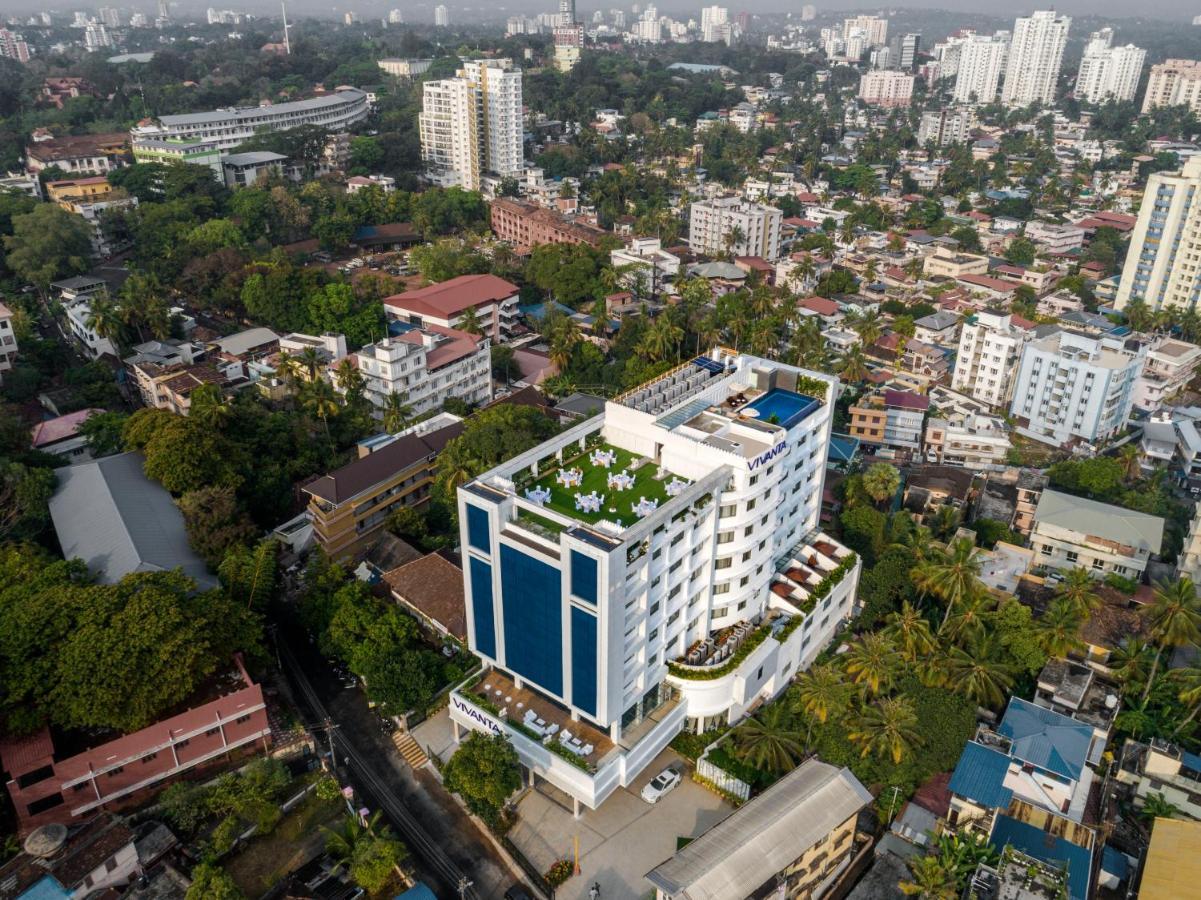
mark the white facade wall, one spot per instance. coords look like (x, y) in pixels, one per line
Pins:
(1109, 73)
(1175, 82)
(712, 220)
(1035, 56)
(987, 358)
(886, 87)
(981, 63)
(392, 366)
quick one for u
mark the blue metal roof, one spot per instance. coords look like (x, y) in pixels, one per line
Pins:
(1046, 848)
(1046, 739)
(1113, 862)
(46, 888)
(843, 447)
(980, 775)
(419, 891)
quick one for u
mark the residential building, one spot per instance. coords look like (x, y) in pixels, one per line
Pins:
(78, 314)
(385, 183)
(1170, 867)
(1189, 563)
(1026, 785)
(1030, 486)
(950, 125)
(1076, 533)
(792, 840)
(1035, 55)
(229, 128)
(245, 169)
(1019, 876)
(154, 361)
(104, 243)
(650, 266)
(1077, 690)
(981, 63)
(945, 262)
(1053, 238)
(96, 858)
(350, 505)
(491, 300)
(425, 366)
(110, 515)
(46, 788)
(74, 190)
(8, 340)
(730, 224)
(1169, 367)
(680, 596)
(1108, 72)
(1159, 767)
(472, 124)
(13, 46)
(441, 16)
(431, 589)
(941, 328)
(712, 20)
(173, 150)
(890, 419)
(873, 28)
(526, 225)
(973, 441)
(888, 88)
(1174, 82)
(1160, 267)
(910, 46)
(1072, 388)
(77, 154)
(60, 436)
(405, 68)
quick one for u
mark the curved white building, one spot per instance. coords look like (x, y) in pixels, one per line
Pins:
(229, 128)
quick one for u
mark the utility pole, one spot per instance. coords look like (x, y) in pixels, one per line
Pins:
(283, 5)
(463, 885)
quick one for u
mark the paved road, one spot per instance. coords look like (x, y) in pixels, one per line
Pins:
(446, 844)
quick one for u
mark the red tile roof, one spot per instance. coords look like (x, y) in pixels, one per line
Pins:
(53, 430)
(449, 298)
(820, 305)
(906, 400)
(459, 345)
(992, 284)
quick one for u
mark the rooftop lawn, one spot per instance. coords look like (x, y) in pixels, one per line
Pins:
(596, 478)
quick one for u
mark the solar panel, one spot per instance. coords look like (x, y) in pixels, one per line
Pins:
(710, 365)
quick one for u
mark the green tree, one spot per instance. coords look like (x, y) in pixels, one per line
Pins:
(248, 575)
(952, 576)
(888, 728)
(768, 741)
(873, 663)
(881, 481)
(369, 852)
(215, 522)
(981, 674)
(48, 243)
(211, 882)
(485, 772)
(1173, 620)
(1021, 251)
(103, 432)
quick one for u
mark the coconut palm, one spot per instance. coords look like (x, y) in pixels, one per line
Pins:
(1187, 680)
(821, 692)
(1173, 620)
(910, 631)
(1130, 661)
(767, 741)
(1079, 589)
(662, 338)
(930, 880)
(887, 728)
(967, 619)
(349, 378)
(1157, 806)
(321, 400)
(470, 322)
(1058, 629)
(980, 675)
(1131, 460)
(563, 341)
(311, 359)
(918, 541)
(733, 238)
(951, 576)
(396, 412)
(868, 326)
(872, 662)
(945, 522)
(881, 481)
(288, 368)
(107, 320)
(853, 366)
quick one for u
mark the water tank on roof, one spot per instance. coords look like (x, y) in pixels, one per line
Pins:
(46, 841)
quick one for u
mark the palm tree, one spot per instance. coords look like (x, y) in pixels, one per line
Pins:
(1058, 629)
(1129, 661)
(1138, 314)
(881, 481)
(470, 322)
(288, 368)
(106, 319)
(1080, 590)
(930, 880)
(321, 401)
(1188, 692)
(1157, 806)
(733, 238)
(888, 727)
(910, 630)
(349, 379)
(945, 522)
(767, 741)
(980, 675)
(396, 412)
(1173, 620)
(872, 662)
(917, 540)
(311, 359)
(952, 576)
(822, 691)
(1131, 461)
(968, 617)
(662, 337)
(853, 367)
(868, 326)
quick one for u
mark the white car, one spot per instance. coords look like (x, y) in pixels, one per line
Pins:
(661, 785)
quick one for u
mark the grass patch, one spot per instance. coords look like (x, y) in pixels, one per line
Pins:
(596, 478)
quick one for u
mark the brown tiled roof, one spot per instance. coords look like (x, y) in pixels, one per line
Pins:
(449, 298)
(433, 586)
(87, 848)
(73, 146)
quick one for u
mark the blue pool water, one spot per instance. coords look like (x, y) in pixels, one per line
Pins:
(788, 407)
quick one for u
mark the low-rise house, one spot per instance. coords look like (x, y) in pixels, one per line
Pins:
(1054, 238)
(991, 289)
(1159, 767)
(1032, 278)
(797, 836)
(650, 267)
(890, 419)
(385, 183)
(1059, 303)
(1169, 366)
(77, 154)
(925, 360)
(154, 361)
(825, 310)
(940, 328)
(1074, 532)
(1171, 440)
(431, 588)
(1078, 691)
(110, 515)
(93, 858)
(492, 300)
(245, 169)
(948, 263)
(229, 714)
(350, 505)
(973, 441)
(426, 366)
(8, 340)
(78, 314)
(1002, 567)
(61, 436)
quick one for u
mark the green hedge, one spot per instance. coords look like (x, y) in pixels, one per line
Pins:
(757, 637)
(813, 387)
(827, 584)
(731, 764)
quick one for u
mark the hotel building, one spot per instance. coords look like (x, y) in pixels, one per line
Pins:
(673, 604)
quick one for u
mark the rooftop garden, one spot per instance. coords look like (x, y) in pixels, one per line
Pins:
(617, 503)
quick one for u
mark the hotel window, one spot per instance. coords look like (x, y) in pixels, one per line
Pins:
(724, 563)
(725, 537)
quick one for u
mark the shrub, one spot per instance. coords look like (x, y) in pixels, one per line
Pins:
(559, 872)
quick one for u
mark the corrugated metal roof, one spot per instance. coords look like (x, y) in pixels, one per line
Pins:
(980, 775)
(1123, 526)
(763, 837)
(1047, 848)
(1046, 738)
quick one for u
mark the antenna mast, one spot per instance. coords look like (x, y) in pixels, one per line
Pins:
(283, 5)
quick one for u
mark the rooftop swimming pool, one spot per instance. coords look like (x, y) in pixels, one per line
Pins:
(781, 407)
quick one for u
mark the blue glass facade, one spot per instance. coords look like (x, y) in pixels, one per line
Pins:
(477, 529)
(532, 603)
(481, 606)
(583, 660)
(583, 576)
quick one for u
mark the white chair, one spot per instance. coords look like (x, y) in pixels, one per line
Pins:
(587, 750)
(551, 728)
(565, 737)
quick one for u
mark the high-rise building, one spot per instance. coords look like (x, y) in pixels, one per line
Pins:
(109, 16)
(712, 20)
(1035, 56)
(808, 12)
(886, 87)
(1176, 82)
(395, 17)
(472, 124)
(657, 568)
(874, 28)
(989, 350)
(1108, 72)
(735, 225)
(981, 62)
(567, 12)
(910, 45)
(96, 37)
(441, 16)
(13, 46)
(946, 126)
(1160, 264)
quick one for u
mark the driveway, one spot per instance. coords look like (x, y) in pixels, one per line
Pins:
(621, 841)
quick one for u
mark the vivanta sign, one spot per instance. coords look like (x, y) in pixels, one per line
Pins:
(764, 458)
(474, 714)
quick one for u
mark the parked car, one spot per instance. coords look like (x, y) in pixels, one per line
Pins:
(661, 785)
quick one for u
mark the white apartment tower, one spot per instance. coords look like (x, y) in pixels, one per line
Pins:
(889, 88)
(736, 225)
(441, 16)
(1035, 56)
(874, 29)
(629, 620)
(989, 350)
(981, 63)
(425, 366)
(1108, 72)
(472, 123)
(1176, 82)
(910, 44)
(712, 20)
(1161, 264)
(951, 125)
(1071, 387)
